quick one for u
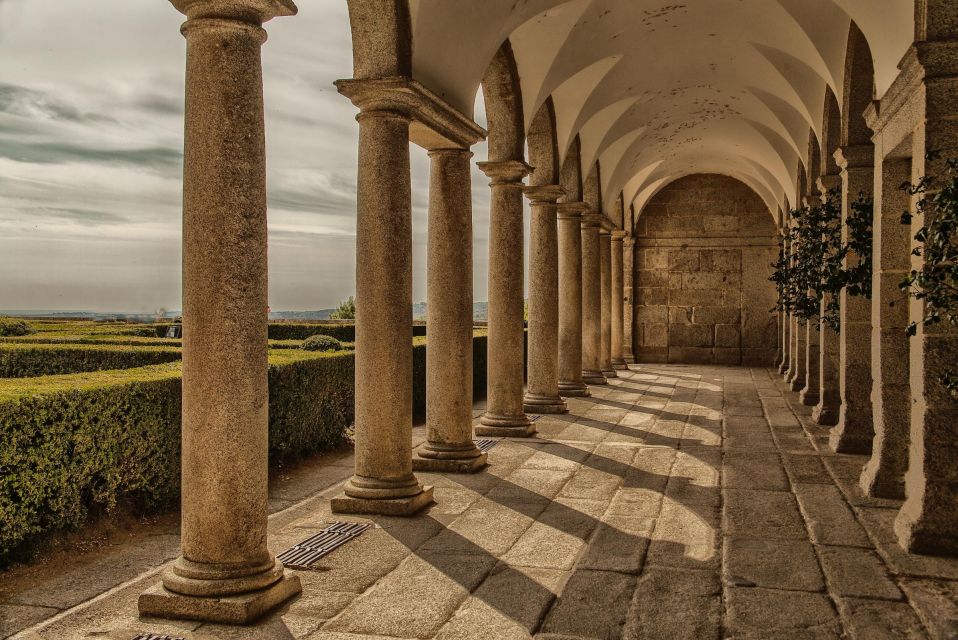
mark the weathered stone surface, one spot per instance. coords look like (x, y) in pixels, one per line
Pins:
(764, 613)
(774, 564)
(857, 572)
(880, 620)
(675, 604)
(772, 515)
(585, 593)
(829, 518)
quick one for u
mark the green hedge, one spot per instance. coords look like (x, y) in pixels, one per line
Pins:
(342, 332)
(28, 360)
(479, 350)
(76, 445)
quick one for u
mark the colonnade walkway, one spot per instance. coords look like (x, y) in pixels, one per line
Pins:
(677, 502)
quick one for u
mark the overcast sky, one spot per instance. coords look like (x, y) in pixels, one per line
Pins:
(91, 123)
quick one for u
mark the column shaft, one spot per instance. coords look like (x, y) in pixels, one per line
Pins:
(225, 392)
(618, 304)
(504, 414)
(570, 301)
(605, 303)
(591, 302)
(542, 394)
(449, 318)
(628, 299)
(384, 481)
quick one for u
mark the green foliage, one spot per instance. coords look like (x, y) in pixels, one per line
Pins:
(813, 266)
(321, 343)
(345, 311)
(15, 327)
(28, 360)
(936, 282)
(301, 331)
(857, 278)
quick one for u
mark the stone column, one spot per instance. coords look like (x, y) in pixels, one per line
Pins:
(796, 378)
(605, 304)
(884, 474)
(808, 393)
(449, 446)
(225, 573)
(829, 400)
(855, 429)
(383, 482)
(504, 415)
(542, 393)
(786, 323)
(570, 300)
(618, 301)
(928, 521)
(591, 301)
(628, 278)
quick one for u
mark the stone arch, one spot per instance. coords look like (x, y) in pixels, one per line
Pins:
(544, 147)
(859, 89)
(592, 189)
(814, 166)
(382, 38)
(831, 134)
(571, 175)
(502, 96)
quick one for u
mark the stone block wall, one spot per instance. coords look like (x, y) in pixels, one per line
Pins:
(704, 249)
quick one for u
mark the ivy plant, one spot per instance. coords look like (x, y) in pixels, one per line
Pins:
(935, 283)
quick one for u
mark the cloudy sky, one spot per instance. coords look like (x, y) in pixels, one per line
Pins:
(91, 123)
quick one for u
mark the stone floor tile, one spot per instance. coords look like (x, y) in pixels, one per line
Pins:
(830, 520)
(14, 617)
(748, 470)
(880, 620)
(554, 540)
(880, 523)
(529, 485)
(806, 469)
(592, 484)
(773, 564)
(417, 598)
(510, 603)
(359, 564)
(618, 544)
(685, 536)
(585, 594)
(485, 527)
(753, 513)
(636, 503)
(937, 605)
(766, 613)
(675, 604)
(855, 572)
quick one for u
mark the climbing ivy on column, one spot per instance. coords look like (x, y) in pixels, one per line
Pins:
(936, 283)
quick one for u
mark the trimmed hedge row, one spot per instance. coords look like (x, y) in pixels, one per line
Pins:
(76, 445)
(28, 360)
(342, 332)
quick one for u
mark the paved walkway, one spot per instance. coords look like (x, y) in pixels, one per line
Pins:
(678, 502)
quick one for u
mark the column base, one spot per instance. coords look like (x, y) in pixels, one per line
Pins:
(493, 431)
(875, 482)
(402, 506)
(840, 441)
(241, 609)
(448, 465)
(573, 389)
(808, 398)
(610, 373)
(825, 415)
(914, 536)
(593, 377)
(796, 384)
(536, 403)
(783, 368)
(629, 359)
(620, 365)
(502, 421)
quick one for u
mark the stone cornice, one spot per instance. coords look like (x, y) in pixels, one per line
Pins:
(856, 157)
(251, 11)
(618, 235)
(544, 194)
(591, 220)
(434, 123)
(507, 172)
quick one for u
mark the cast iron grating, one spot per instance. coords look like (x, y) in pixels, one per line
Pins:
(533, 418)
(155, 636)
(304, 554)
(484, 444)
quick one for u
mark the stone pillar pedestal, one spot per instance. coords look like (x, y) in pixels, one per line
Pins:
(449, 446)
(618, 301)
(504, 414)
(796, 378)
(809, 393)
(225, 573)
(542, 392)
(605, 302)
(570, 300)
(855, 430)
(383, 482)
(591, 301)
(628, 300)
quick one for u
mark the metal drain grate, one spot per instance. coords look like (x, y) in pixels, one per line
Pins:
(485, 444)
(154, 636)
(533, 418)
(304, 554)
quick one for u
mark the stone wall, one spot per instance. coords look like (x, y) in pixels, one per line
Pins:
(703, 255)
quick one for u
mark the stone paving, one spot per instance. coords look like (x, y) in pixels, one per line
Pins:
(678, 502)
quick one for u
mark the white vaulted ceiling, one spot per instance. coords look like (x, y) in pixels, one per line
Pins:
(659, 89)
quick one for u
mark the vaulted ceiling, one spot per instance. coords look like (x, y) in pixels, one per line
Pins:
(659, 89)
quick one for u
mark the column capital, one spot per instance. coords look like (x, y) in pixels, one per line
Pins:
(829, 182)
(434, 123)
(506, 172)
(572, 210)
(629, 242)
(544, 194)
(619, 235)
(252, 11)
(591, 220)
(855, 157)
